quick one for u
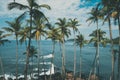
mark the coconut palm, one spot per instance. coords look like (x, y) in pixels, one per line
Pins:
(95, 15)
(102, 40)
(64, 32)
(80, 41)
(33, 53)
(108, 9)
(38, 32)
(115, 14)
(54, 36)
(23, 34)
(32, 8)
(74, 24)
(14, 28)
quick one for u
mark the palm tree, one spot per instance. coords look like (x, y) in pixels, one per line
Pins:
(107, 11)
(80, 41)
(115, 14)
(14, 27)
(39, 31)
(95, 15)
(64, 31)
(102, 40)
(23, 34)
(73, 24)
(33, 53)
(54, 36)
(32, 8)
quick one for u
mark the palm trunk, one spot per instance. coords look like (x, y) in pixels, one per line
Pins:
(118, 76)
(52, 59)
(28, 49)
(2, 68)
(44, 69)
(16, 58)
(39, 53)
(97, 58)
(95, 63)
(80, 62)
(74, 56)
(112, 45)
(63, 60)
(93, 68)
(61, 57)
(32, 69)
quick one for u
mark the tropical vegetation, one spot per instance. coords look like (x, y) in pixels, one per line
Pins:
(33, 24)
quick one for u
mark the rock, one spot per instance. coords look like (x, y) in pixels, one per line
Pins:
(93, 77)
(69, 76)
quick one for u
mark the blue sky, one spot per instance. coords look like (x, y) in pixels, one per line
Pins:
(60, 9)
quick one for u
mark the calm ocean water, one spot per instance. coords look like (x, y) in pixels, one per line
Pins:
(8, 54)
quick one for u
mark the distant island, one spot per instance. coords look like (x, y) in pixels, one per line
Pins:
(115, 40)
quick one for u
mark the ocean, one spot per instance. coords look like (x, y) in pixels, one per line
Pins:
(8, 54)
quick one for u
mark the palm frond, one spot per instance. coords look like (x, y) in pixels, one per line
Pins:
(45, 6)
(17, 5)
(8, 29)
(21, 17)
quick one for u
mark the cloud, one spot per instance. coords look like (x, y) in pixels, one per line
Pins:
(59, 9)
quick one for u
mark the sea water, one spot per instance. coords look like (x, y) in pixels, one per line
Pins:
(8, 54)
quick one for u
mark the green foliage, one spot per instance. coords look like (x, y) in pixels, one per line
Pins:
(102, 39)
(33, 52)
(2, 38)
(80, 41)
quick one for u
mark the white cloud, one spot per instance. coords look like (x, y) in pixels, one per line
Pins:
(59, 9)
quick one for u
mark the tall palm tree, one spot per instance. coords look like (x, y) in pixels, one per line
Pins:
(116, 15)
(80, 41)
(64, 32)
(33, 53)
(102, 40)
(14, 27)
(74, 24)
(108, 9)
(39, 31)
(95, 14)
(32, 8)
(54, 36)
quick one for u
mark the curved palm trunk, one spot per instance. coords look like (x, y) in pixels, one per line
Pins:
(74, 56)
(52, 60)
(80, 63)
(112, 45)
(94, 66)
(28, 49)
(16, 57)
(118, 76)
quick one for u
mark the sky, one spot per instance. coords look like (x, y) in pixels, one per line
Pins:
(59, 9)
